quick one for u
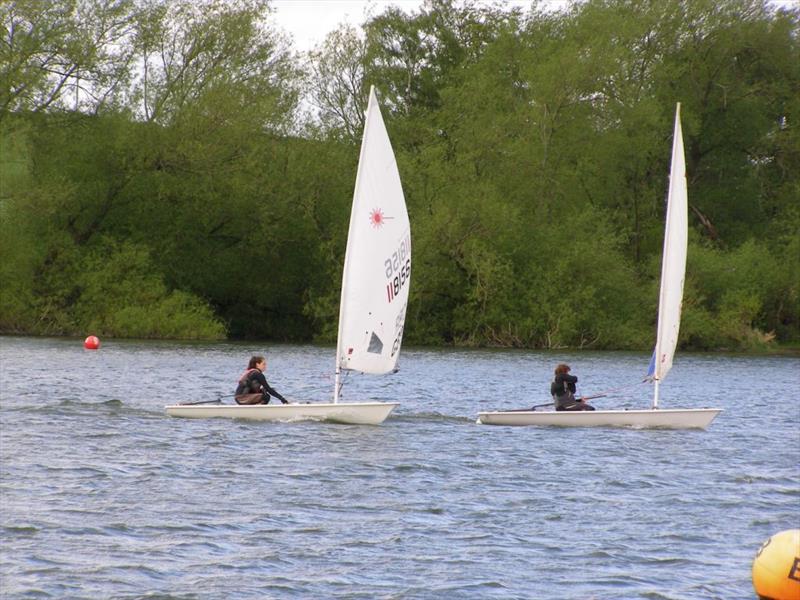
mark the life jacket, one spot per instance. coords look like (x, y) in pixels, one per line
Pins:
(246, 383)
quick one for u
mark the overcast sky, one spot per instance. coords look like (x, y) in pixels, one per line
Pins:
(309, 21)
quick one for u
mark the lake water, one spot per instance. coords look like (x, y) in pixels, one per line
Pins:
(103, 496)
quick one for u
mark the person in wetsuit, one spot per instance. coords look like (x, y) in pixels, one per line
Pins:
(253, 387)
(563, 391)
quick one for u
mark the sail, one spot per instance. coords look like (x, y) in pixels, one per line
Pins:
(377, 265)
(673, 266)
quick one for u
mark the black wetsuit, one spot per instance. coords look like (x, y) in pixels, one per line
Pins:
(255, 383)
(562, 384)
(563, 391)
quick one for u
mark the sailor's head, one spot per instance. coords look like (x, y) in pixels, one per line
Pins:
(562, 369)
(257, 362)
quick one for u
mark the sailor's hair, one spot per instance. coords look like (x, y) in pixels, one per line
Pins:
(254, 361)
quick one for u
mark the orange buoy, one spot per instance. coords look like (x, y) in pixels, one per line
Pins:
(91, 343)
(776, 567)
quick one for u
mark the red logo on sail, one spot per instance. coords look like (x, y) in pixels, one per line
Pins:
(376, 217)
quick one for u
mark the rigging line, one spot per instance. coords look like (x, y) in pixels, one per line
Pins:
(315, 388)
(219, 399)
(624, 387)
(323, 376)
(342, 380)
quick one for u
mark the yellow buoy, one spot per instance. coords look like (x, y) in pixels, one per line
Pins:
(776, 567)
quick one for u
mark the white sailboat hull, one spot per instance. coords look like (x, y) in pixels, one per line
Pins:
(676, 418)
(361, 413)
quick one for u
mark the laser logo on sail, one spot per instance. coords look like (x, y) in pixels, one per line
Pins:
(398, 268)
(377, 218)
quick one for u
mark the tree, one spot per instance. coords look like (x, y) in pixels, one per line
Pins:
(192, 53)
(73, 54)
(337, 84)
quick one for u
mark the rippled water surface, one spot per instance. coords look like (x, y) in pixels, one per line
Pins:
(103, 496)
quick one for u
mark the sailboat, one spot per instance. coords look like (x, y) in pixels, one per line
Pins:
(375, 286)
(673, 270)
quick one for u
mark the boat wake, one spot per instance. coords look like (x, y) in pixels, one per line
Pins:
(75, 407)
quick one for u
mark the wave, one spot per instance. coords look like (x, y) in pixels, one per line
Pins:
(432, 416)
(77, 407)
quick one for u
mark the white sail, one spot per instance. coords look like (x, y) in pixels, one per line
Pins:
(377, 265)
(673, 266)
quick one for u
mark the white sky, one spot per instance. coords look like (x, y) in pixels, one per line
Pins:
(309, 21)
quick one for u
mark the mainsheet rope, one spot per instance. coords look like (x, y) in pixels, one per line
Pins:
(614, 391)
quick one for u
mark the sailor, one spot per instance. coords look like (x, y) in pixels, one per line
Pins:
(563, 391)
(253, 387)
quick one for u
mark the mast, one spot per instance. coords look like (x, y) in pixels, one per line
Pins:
(336, 379)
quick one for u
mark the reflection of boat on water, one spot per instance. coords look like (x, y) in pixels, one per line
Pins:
(375, 284)
(673, 270)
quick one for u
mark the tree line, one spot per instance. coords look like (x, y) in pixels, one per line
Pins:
(175, 169)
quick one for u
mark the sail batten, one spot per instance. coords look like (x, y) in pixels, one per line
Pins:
(673, 266)
(377, 266)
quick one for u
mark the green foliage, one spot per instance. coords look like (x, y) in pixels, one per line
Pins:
(122, 295)
(738, 290)
(147, 193)
(53, 52)
(20, 251)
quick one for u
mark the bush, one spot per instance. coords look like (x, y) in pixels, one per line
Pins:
(121, 295)
(733, 291)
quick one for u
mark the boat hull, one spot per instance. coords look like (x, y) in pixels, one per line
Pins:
(677, 418)
(361, 413)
